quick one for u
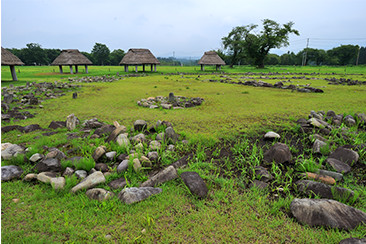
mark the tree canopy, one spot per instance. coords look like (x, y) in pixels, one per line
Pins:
(243, 40)
(100, 53)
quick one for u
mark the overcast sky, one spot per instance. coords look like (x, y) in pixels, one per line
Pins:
(185, 27)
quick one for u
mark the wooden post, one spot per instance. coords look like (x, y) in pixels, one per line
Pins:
(76, 69)
(13, 73)
(71, 69)
(155, 67)
(86, 69)
(60, 66)
(202, 67)
(143, 67)
(126, 67)
(220, 67)
(136, 68)
(152, 67)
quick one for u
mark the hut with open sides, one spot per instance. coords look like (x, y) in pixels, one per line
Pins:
(72, 57)
(211, 58)
(7, 58)
(139, 56)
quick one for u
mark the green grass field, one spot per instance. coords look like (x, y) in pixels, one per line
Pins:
(231, 213)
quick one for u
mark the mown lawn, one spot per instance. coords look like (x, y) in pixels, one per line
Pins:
(232, 213)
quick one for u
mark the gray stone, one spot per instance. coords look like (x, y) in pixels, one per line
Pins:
(331, 113)
(99, 152)
(46, 177)
(318, 145)
(102, 167)
(8, 98)
(81, 174)
(123, 140)
(326, 212)
(36, 157)
(10, 172)
(122, 166)
(318, 123)
(118, 183)
(11, 151)
(170, 134)
(68, 172)
(139, 147)
(169, 173)
(99, 194)
(171, 97)
(140, 125)
(259, 184)
(170, 147)
(120, 129)
(137, 194)
(160, 136)
(323, 190)
(338, 165)
(155, 145)
(139, 138)
(166, 106)
(353, 241)
(145, 162)
(90, 181)
(71, 122)
(194, 183)
(49, 164)
(345, 155)
(110, 155)
(332, 174)
(349, 120)
(58, 183)
(153, 156)
(262, 173)
(318, 137)
(279, 153)
(271, 135)
(136, 164)
(55, 153)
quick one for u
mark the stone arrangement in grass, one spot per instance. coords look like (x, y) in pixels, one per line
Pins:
(144, 155)
(171, 102)
(321, 128)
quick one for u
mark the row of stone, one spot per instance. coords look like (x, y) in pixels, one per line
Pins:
(171, 102)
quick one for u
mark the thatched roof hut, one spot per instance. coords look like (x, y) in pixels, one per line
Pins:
(72, 57)
(139, 56)
(7, 58)
(211, 58)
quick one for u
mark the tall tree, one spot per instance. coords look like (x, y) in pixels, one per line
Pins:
(34, 55)
(256, 46)
(314, 56)
(116, 56)
(362, 57)
(100, 53)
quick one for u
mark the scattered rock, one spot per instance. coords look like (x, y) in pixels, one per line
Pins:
(102, 167)
(46, 177)
(118, 183)
(345, 155)
(332, 174)
(58, 183)
(153, 156)
(122, 166)
(30, 177)
(318, 146)
(36, 157)
(323, 178)
(271, 135)
(99, 194)
(165, 175)
(262, 173)
(120, 129)
(10, 172)
(136, 164)
(155, 145)
(90, 181)
(11, 151)
(49, 164)
(110, 155)
(353, 241)
(81, 174)
(140, 125)
(279, 152)
(259, 184)
(195, 183)
(137, 194)
(68, 172)
(98, 153)
(323, 190)
(71, 122)
(338, 165)
(123, 140)
(325, 212)
(170, 134)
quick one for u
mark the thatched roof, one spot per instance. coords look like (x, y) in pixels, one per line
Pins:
(71, 57)
(211, 58)
(136, 56)
(7, 58)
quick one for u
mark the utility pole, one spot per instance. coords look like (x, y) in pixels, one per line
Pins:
(358, 55)
(305, 53)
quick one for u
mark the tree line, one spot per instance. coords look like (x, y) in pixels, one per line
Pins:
(34, 54)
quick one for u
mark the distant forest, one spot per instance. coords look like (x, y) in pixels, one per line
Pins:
(34, 54)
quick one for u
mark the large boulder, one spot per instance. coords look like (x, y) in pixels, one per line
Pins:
(165, 175)
(10, 172)
(10, 151)
(90, 181)
(195, 183)
(326, 212)
(137, 194)
(279, 153)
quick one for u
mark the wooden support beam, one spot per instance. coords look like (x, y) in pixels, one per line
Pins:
(13, 73)
(143, 67)
(76, 69)
(86, 69)
(155, 67)
(71, 71)
(126, 67)
(136, 68)
(60, 66)
(202, 67)
(151, 67)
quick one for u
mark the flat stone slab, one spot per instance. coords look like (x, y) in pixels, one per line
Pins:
(323, 190)
(326, 212)
(137, 194)
(10, 172)
(169, 173)
(195, 183)
(90, 181)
